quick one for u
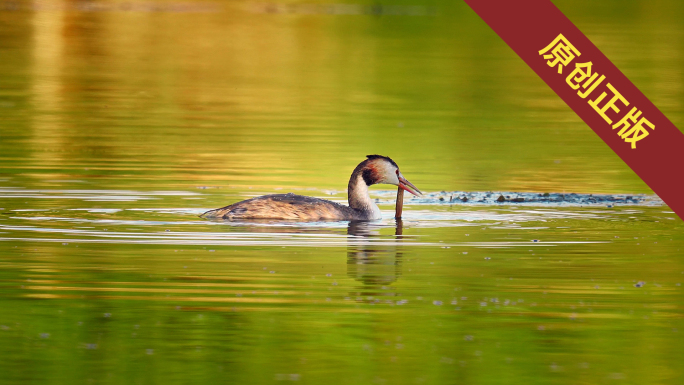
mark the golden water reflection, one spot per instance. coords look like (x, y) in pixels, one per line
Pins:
(254, 87)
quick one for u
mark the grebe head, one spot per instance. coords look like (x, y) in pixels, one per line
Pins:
(382, 169)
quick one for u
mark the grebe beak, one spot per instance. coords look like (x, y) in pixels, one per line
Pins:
(408, 186)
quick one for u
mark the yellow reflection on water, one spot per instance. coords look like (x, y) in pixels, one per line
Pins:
(230, 96)
(47, 88)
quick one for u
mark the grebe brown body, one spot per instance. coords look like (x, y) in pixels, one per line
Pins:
(377, 169)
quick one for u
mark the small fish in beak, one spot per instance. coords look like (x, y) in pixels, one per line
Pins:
(408, 186)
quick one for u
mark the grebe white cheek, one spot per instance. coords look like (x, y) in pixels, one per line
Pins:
(376, 169)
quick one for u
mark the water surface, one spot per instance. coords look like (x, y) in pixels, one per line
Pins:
(122, 122)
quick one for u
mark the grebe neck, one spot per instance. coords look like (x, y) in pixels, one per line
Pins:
(357, 193)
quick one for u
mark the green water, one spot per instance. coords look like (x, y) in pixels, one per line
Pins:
(121, 122)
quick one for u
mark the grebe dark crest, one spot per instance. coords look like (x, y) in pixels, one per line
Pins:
(377, 169)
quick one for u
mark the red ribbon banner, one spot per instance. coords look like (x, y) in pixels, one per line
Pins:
(594, 88)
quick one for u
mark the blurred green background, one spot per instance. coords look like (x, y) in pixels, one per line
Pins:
(183, 93)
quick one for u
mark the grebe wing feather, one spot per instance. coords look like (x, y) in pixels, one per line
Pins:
(285, 206)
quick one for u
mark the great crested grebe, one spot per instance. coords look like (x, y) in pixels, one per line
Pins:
(374, 170)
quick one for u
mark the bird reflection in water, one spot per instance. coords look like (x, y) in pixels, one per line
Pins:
(374, 264)
(373, 259)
